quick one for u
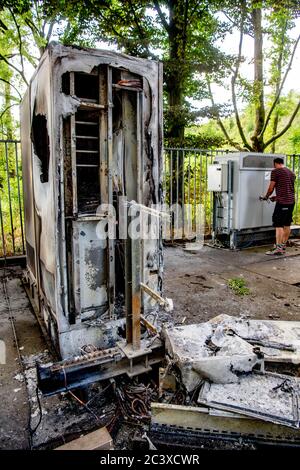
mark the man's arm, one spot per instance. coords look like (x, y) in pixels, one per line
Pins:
(270, 189)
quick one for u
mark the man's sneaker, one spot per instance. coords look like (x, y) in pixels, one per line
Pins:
(277, 251)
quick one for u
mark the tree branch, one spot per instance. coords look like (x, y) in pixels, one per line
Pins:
(186, 12)
(50, 29)
(194, 10)
(10, 84)
(36, 33)
(162, 16)
(112, 27)
(286, 128)
(281, 86)
(14, 67)
(234, 23)
(20, 40)
(9, 96)
(219, 121)
(233, 83)
(7, 108)
(140, 29)
(32, 27)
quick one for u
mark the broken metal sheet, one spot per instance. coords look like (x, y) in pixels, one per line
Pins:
(204, 352)
(223, 425)
(283, 336)
(270, 397)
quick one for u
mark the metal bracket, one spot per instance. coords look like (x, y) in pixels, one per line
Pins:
(166, 303)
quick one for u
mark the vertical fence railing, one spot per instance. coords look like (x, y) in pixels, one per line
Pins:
(186, 168)
(184, 183)
(293, 162)
(11, 200)
(185, 189)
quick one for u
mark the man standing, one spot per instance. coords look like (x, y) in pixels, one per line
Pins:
(282, 180)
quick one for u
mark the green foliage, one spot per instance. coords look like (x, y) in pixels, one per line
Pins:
(10, 199)
(202, 140)
(238, 286)
(270, 23)
(24, 34)
(288, 143)
(182, 34)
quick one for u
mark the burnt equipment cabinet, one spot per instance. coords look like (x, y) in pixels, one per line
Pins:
(91, 133)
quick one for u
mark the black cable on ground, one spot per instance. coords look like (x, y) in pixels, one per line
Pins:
(32, 431)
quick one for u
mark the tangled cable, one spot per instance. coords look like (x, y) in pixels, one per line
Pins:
(135, 401)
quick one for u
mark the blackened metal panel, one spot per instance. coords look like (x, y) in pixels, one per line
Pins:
(27, 182)
(110, 156)
(89, 268)
(43, 178)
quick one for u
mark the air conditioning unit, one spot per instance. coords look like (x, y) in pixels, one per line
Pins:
(237, 180)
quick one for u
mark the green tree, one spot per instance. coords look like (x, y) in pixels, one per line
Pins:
(261, 21)
(25, 32)
(179, 32)
(288, 143)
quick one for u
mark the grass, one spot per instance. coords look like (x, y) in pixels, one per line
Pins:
(238, 286)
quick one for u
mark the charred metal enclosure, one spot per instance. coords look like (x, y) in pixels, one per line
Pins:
(91, 130)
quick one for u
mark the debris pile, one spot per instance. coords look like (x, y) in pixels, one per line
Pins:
(135, 400)
(227, 360)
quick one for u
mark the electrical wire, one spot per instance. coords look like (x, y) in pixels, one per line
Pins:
(135, 401)
(82, 403)
(32, 431)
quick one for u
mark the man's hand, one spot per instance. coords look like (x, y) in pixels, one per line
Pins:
(263, 198)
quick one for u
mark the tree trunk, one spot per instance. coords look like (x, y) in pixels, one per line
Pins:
(176, 69)
(278, 73)
(274, 131)
(257, 137)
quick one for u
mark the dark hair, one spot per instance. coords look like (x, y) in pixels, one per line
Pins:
(279, 160)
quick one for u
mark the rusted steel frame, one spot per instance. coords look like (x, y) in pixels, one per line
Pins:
(128, 286)
(140, 166)
(65, 294)
(136, 293)
(111, 242)
(158, 298)
(91, 106)
(103, 85)
(93, 367)
(133, 291)
(149, 325)
(73, 150)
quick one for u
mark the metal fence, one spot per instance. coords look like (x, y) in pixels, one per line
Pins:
(11, 200)
(184, 182)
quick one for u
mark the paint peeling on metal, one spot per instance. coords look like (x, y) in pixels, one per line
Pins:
(65, 259)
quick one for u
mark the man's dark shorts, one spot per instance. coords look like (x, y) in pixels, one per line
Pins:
(283, 215)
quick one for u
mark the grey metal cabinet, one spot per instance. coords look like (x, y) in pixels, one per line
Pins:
(237, 208)
(91, 133)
